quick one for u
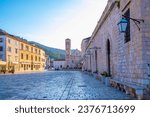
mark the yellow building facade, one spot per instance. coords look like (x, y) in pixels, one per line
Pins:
(32, 58)
(20, 55)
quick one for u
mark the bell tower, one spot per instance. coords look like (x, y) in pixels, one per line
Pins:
(68, 52)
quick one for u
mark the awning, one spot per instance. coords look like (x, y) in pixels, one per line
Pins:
(37, 63)
(2, 63)
(15, 62)
(25, 62)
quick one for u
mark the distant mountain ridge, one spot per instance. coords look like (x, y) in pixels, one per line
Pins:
(54, 53)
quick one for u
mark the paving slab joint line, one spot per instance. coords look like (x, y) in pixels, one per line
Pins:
(70, 88)
(63, 94)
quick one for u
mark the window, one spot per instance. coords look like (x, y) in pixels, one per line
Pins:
(1, 39)
(31, 49)
(27, 48)
(31, 57)
(9, 58)
(39, 52)
(1, 48)
(21, 55)
(27, 57)
(127, 33)
(16, 50)
(22, 46)
(9, 49)
(39, 58)
(9, 41)
(35, 58)
(36, 51)
(16, 43)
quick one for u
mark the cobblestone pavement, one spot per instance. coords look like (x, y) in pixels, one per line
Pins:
(56, 85)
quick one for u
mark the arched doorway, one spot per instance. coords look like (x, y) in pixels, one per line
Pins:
(96, 61)
(108, 57)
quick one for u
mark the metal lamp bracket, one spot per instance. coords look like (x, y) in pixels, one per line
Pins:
(136, 21)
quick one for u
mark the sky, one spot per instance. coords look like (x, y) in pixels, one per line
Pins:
(50, 22)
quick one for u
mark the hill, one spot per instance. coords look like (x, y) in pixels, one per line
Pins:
(54, 53)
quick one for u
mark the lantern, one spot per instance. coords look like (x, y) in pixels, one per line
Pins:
(123, 25)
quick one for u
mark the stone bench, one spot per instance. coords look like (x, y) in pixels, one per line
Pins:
(129, 88)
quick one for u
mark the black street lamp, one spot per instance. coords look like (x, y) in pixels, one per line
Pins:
(123, 23)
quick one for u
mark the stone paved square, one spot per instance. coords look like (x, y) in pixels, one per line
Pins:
(56, 85)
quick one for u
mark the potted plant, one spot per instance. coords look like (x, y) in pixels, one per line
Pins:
(105, 78)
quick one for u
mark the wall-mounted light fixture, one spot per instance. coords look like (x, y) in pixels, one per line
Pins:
(123, 23)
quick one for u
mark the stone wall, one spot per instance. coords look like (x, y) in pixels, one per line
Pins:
(108, 30)
(130, 54)
(128, 61)
(145, 28)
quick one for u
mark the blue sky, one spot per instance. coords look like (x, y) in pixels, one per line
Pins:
(50, 22)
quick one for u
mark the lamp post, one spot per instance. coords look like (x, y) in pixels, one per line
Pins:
(123, 23)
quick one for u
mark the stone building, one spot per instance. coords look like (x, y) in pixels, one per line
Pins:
(73, 57)
(20, 54)
(9, 52)
(59, 64)
(68, 52)
(85, 57)
(125, 56)
(47, 63)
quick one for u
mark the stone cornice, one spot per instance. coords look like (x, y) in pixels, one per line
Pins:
(107, 11)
